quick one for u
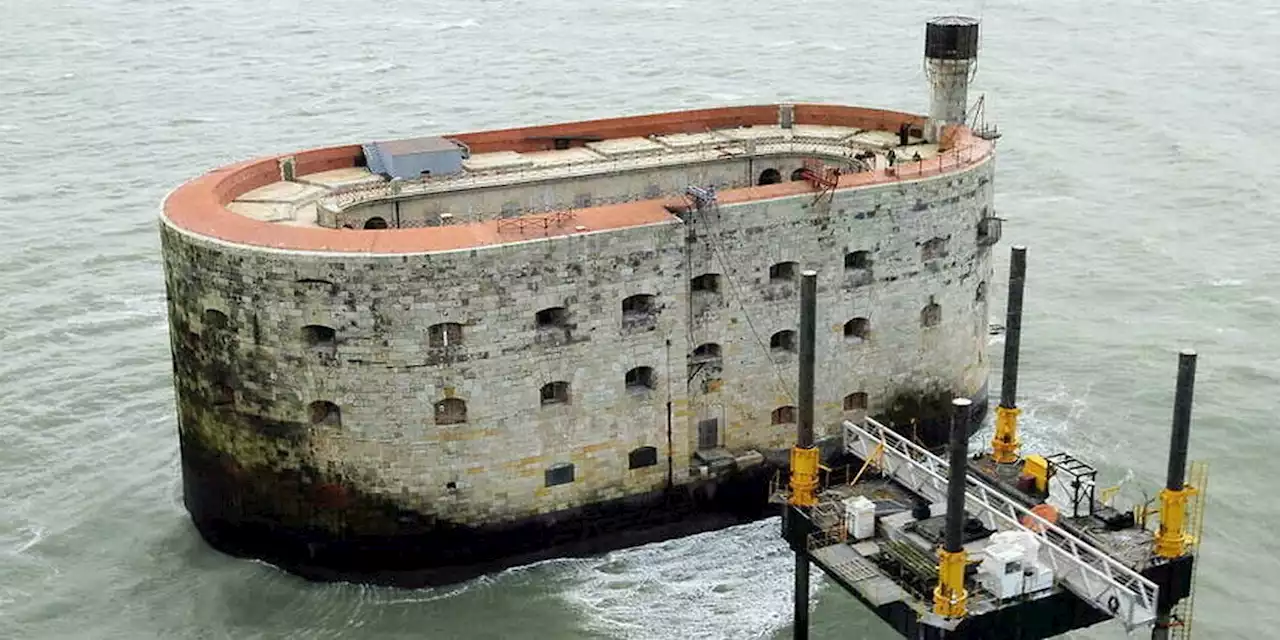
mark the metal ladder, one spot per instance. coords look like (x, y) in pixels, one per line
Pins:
(1084, 569)
(1198, 478)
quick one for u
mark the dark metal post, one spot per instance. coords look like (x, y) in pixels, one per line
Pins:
(808, 320)
(959, 468)
(1181, 420)
(1004, 444)
(670, 413)
(1013, 328)
(801, 629)
(804, 434)
(1171, 538)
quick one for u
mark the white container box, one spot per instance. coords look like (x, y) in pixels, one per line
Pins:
(860, 517)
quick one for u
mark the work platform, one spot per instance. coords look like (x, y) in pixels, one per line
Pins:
(997, 545)
(1080, 570)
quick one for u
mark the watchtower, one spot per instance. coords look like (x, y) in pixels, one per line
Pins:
(950, 58)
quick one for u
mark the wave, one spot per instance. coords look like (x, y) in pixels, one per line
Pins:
(734, 583)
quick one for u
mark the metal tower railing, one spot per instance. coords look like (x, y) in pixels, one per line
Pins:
(1085, 570)
(1182, 612)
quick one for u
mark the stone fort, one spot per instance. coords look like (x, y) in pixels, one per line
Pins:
(397, 359)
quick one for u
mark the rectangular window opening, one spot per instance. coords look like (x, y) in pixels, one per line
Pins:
(559, 474)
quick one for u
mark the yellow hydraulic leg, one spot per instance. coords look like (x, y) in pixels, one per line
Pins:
(804, 476)
(1171, 538)
(1004, 444)
(950, 596)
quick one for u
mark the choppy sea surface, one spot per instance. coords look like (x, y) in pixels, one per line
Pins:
(1137, 164)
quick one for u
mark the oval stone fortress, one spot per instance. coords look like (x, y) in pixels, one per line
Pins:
(411, 362)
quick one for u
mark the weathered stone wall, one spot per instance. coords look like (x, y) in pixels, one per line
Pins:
(263, 338)
(247, 383)
(900, 356)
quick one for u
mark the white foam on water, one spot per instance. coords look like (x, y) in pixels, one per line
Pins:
(423, 596)
(33, 533)
(1045, 423)
(734, 583)
(456, 24)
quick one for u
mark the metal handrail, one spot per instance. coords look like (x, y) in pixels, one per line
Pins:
(1087, 571)
(954, 158)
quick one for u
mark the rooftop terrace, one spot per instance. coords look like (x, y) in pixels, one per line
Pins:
(253, 203)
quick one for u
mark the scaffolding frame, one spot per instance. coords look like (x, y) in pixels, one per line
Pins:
(1084, 480)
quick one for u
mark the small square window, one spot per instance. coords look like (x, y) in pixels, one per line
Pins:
(444, 335)
(642, 457)
(857, 260)
(708, 282)
(784, 272)
(559, 474)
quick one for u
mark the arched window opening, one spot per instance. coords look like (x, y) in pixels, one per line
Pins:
(857, 260)
(981, 295)
(857, 329)
(552, 318)
(319, 336)
(640, 379)
(642, 457)
(555, 393)
(798, 174)
(931, 314)
(325, 413)
(783, 342)
(214, 319)
(856, 401)
(784, 272)
(375, 222)
(444, 335)
(451, 411)
(637, 309)
(709, 352)
(769, 176)
(707, 282)
(784, 415)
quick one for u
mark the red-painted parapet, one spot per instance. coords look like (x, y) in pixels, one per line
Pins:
(199, 206)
